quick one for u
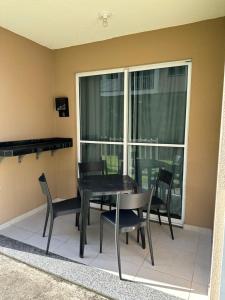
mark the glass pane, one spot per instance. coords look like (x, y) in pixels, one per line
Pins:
(101, 107)
(112, 154)
(144, 163)
(157, 105)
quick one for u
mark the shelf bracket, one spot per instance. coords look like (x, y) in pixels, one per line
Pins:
(38, 154)
(20, 158)
(52, 152)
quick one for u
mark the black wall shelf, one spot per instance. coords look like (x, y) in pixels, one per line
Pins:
(23, 147)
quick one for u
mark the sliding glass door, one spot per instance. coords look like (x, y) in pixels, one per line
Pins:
(157, 115)
(136, 120)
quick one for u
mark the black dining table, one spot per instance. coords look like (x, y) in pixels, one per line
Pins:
(101, 185)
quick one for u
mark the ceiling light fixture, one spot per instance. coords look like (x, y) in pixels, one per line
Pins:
(104, 17)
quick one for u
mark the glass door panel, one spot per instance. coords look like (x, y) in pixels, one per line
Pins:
(101, 107)
(157, 115)
(111, 154)
(157, 105)
(144, 163)
(102, 119)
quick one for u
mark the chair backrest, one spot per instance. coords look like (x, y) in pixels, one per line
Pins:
(164, 178)
(45, 189)
(92, 168)
(134, 201)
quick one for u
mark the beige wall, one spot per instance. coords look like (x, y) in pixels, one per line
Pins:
(30, 75)
(204, 43)
(26, 111)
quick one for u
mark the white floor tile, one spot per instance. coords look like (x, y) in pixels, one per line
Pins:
(201, 274)
(41, 242)
(110, 264)
(16, 233)
(204, 251)
(184, 240)
(65, 229)
(169, 284)
(198, 292)
(174, 262)
(177, 262)
(70, 249)
(33, 223)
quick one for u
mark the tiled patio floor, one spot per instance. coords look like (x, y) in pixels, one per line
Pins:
(182, 266)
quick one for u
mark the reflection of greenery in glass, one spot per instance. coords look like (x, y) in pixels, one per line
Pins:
(145, 182)
(112, 154)
(145, 170)
(112, 163)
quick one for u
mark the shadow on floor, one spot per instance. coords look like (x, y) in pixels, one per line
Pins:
(10, 243)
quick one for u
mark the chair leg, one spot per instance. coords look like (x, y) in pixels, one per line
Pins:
(159, 217)
(170, 224)
(138, 236)
(127, 238)
(46, 221)
(77, 220)
(101, 206)
(138, 230)
(49, 234)
(101, 234)
(85, 238)
(89, 215)
(150, 242)
(118, 254)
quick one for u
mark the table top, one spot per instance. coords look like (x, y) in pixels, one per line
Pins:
(107, 184)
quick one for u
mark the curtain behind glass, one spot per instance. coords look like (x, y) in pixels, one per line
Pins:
(101, 107)
(158, 105)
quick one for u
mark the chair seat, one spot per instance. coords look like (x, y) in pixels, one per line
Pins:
(66, 206)
(127, 218)
(157, 203)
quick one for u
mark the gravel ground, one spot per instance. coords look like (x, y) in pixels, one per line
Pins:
(19, 281)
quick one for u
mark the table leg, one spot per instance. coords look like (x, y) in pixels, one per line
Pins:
(142, 230)
(85, 196)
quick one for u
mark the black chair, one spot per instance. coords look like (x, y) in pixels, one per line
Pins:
(94, 168)
(60, 208)
(162, 197)
(125, 220)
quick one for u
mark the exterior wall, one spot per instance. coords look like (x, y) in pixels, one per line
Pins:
(30, 75)
(218, 253)
(26, 111)
(204, 43)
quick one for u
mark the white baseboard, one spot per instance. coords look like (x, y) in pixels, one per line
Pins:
(22, 217)
(26, 215)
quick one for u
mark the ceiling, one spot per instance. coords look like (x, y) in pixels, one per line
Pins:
(63, 23)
